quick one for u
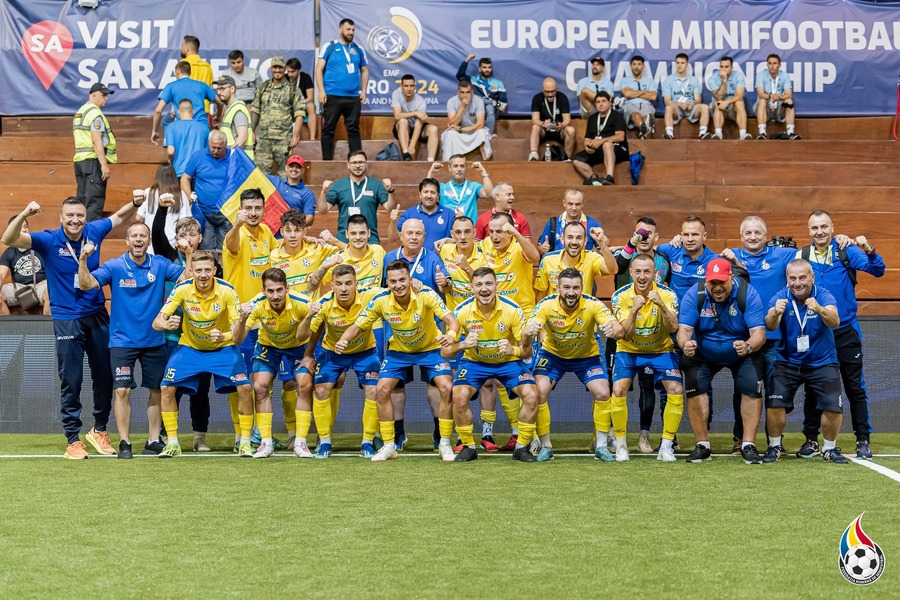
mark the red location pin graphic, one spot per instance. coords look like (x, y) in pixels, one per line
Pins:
(47, 46)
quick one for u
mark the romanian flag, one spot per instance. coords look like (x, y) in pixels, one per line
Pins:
(243, 174)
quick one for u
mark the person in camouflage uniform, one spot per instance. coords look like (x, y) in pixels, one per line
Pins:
(277, 106)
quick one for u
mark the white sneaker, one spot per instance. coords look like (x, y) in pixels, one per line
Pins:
(622, 453)
(666, 454)
(200, 444)
(265, 450)
(533, 156)
(716, 136)
(302, 450)
(746, 136)
(644, 443)
(446, 451)
(388, 452)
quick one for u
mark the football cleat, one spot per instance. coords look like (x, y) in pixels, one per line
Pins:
(522, 454)
(601, 452)
(545, 454)
(488, 443)
(666, 455)
(171, 450)
(510, 443)
(446, 452)
(387, 452)
(323, 451)
(467, 454)
(301, 449)
(266, 449)
(245, 450)
(367, 450)
(622, 453)
(400, 442)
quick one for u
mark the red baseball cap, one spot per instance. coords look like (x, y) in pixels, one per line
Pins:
(295, 159)
(718, 269)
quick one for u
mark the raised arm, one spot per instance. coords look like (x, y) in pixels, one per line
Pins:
(86, 281)
(127, 211)
(13, 235)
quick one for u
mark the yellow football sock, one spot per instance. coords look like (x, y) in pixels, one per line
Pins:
(233, 406)
(526, 433)
(264, 423)
(387, 431)
(335, 399)
(465, 434)
(671, 416)
(304, 420)
(510, 406)
(602, 416)
(246, 424)
(370, 420)
(322, 413)
(543, 419)
(446, 428)
(619, 415)
(489, 416)
(170, 420)
(289, 404)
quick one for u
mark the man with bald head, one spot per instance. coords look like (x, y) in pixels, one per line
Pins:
(551, 120)
(504, 197)
(205, 174)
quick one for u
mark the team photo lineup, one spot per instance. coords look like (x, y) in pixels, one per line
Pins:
(237, 297)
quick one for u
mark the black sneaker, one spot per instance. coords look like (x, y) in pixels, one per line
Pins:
(862, 450)
(809, 449)
(467, 454)
(523, 454)
(153, 448)
(699, 454)
(773, 454)
(750, 455)
(834, 456)
(705, 136)
(762, 136)
(125, 450)
(608, 180)
(644, 130)
(795, 136)
(668, 136)
(407, 156)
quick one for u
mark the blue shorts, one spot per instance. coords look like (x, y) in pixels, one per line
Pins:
(510, 374)
(554, 367)
(330, 366)
(248, 348)
(153, 366)
(186, 365)
(285, 362)
(395, 364)
(665, 366)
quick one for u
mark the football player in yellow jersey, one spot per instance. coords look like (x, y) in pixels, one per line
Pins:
(415, 341)
(492, 350)
(570, 319)
(298, 258)
(277, 313)
(245, 256)
(593, 264)
(333, 315)
(210, 308)
(649, 315)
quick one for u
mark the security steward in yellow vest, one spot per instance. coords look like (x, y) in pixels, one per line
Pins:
(235, 121)
(95, 150)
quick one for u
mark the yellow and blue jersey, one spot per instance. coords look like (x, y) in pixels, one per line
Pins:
(515, 275)
(651, 336)
(369, 269)
(590, 264)
(567, 335)
(413, 328)
(298, 267)
(337, 319)
(244, 270)
(505, 322)
(278, 329)
(218, 310)
(460, 286)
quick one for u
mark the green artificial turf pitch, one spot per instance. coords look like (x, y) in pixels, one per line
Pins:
(206, 527)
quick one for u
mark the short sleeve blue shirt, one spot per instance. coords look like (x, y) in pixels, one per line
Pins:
(190, 89)
(209, 178)
(644, 84)
(681, 90)
(821, 337)
(299, 197)
(735, 81)
(342, 68)
(437, 224)
(187, 137)
(423, 267)
(686, 271)
(767, 273)
(464, 196)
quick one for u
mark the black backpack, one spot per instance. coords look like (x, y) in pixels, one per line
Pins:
(842, 256)
(739, 272)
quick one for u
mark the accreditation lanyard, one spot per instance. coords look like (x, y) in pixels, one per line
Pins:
(774, 82)
(75, 258)
(802, 339)
(362, 190)
(602, 126)
(350, 66)
(413, 267)
(459, 197)
(551, 112)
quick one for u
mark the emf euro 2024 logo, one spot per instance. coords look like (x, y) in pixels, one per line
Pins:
(389, 44)
(861, 560)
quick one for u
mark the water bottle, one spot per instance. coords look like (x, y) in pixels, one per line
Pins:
(547, 157)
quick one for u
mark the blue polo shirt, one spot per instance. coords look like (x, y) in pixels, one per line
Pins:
(422, 267)
(208, 174)
(299, 197)
(190, 89)
(686, 271)
(767, 273)
(67, 302)
(465, 196)
(734, 82)
(342, 68)
(137, 293)
(821, 337)
(719, 324)
(437, 224)
(835, 279)
(187, 137)
(557, 242)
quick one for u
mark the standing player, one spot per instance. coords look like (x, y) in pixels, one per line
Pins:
(415, 341)
(211, 309)
(493, 328)
(336, 312)
(648, 313)
(137, 283)
(570, 320)
(277, 313)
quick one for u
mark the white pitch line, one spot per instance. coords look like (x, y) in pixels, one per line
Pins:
(878, 469)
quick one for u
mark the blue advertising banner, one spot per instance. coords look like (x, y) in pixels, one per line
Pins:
(52, 51)
(841, 55)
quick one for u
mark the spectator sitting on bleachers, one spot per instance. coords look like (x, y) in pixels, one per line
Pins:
(683, 99)
(184, 137)
(411, 120)
(489, 88)
(551, 120)
(503, 201)
(164, 205)
(775, 100)
(304, 83)
(465, 131)
(458, 193)
(727, 87)
(588, 87)
(604, 143)
(24, 267)
(640, 94)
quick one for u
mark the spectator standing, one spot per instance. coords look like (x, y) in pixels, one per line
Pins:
(551, 238)
(95, 150)
(459, 193)
(246, 79)
(342, 76)
(184, 137)
(183, 88)
(437, 220)
(235, 121)
(165, 205)
(277, 115)
(294, 191)
(504, 196)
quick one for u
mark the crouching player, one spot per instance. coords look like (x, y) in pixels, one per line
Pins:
(210, 308)
(570, 320)
(415, 341)
(492, 350)
(648, 313)
(278, 314)
(333, 315)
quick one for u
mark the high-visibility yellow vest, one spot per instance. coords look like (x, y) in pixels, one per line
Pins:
(81, 130)
(230, 130)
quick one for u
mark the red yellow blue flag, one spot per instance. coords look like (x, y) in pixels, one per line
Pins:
(243, 174)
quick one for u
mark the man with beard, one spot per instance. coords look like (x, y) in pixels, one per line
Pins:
(569, 320)
(137, 282)
(490, 89)
(605, 143)
(592, 264)
(640, 94)
(588, 87)
(342, 76)
(277, 116)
